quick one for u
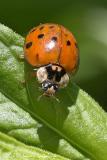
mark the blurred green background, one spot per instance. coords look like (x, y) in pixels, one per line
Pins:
(86, 19)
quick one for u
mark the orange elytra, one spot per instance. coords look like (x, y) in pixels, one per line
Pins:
(52, 45)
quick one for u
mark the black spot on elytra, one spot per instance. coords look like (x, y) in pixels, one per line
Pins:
(41, 27)
(51, 26)
(32, 30)
(66, 35)
(28, 45)
(68, 43)
(54, 39)
(40, 36)
(37, 57)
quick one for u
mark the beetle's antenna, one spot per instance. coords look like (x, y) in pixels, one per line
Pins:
(57, 99)
(38, 99)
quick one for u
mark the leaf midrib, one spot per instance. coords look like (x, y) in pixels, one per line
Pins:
(75, 145)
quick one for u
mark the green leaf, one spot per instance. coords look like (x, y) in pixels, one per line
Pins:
(10, 149)
(77, 119)
(16, 122)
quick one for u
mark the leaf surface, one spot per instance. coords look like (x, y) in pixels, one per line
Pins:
(78, 122)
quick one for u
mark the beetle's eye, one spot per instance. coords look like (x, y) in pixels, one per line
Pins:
(55, 87)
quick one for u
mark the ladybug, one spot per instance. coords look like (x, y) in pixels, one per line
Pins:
(53, 52)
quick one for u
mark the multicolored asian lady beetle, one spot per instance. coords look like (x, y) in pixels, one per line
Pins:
(53, 51)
